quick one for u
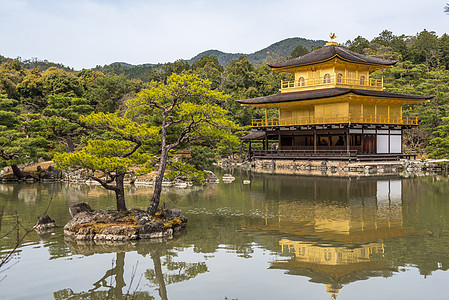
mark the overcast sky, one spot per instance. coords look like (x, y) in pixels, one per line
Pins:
(86, 33)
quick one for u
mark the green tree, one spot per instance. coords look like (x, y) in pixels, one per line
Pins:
(62, 119)
(87, 78)
(185, 110)
(11, 74)
(201, 157)
(108, 91)
(444, 50)
(299, 51)
(161, 73)
(439, 145)
(238, 76)
(19, 144)
(32, 93)
(208, 67)
(111, 158)
(59, 82)
(9, 111)
(425, 49)
(359, 44)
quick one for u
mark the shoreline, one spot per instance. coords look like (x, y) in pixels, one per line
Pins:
(404, 168)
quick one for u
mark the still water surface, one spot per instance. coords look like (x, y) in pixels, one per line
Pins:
(284, 237)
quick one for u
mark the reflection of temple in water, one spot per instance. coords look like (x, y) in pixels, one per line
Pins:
(333, 232)
(332, 265)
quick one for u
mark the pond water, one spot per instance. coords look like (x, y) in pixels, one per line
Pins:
(285, 237)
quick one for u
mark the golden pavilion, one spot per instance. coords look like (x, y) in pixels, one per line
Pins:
(333, 109)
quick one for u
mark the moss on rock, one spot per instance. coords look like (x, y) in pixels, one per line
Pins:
(121, 226)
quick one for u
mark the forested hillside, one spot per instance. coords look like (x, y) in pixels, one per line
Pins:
(276, 51)
(141, 72)
(423, 69)
(42, 104)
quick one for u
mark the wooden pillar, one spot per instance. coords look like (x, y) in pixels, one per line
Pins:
(362, 142)
(375, 143)
(266, 116)
(279, 141)
(314, 140)
(389, 142)
(347, 141)
(266, 142)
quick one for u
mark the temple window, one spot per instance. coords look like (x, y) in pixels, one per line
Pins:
(362, 80)
(327, 78)
(339, 78)
(301, 81)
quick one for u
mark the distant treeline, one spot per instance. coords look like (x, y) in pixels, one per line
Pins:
(33, 93)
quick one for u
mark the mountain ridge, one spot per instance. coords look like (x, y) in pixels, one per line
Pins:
(282, 48)
(273, 52)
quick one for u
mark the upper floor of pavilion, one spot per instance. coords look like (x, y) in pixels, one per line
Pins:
(332, 67)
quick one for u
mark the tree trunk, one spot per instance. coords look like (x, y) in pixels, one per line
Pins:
(70, 144)
(17, 172)
(241, 151)
(117, 291)
(155, 199)
(155, 255)
(120, 193)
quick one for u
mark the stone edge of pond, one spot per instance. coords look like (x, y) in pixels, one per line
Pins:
(134, 224)
(45, 172)
(403, 167)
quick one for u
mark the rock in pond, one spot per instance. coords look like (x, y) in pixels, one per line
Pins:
(79, 207)
(44, 223)
(228, 178)
(211, 177)
(110, 225)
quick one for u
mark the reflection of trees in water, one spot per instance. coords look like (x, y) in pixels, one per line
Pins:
(175, 271)
(29, 193)
(24, 203)
(55, 244)
(426, 207)
(74, 192)
(339, 201)
(113, 280)
(166, 270)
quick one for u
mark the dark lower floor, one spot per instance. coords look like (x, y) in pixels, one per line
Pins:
(351, 155)
(349, 142)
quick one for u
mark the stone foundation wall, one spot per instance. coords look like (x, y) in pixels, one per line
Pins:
(344, 168)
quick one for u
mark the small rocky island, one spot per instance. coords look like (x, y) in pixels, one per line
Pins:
(112, 225)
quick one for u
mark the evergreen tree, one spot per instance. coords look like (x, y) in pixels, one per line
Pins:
(61, 118)
(299, 51)
(111, 158)
(19, 143)
(185, 110)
